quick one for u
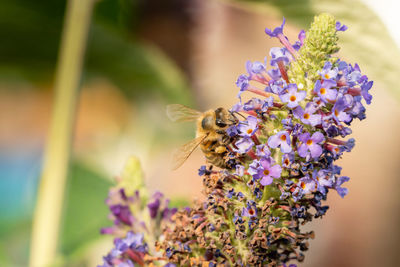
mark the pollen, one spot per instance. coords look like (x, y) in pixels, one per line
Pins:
(327, 76)
(249, 131)
(251, 211)
(283, 137)
(309, 142)
(322, 91)
(292, 98)
(266, 172)
(306, 116)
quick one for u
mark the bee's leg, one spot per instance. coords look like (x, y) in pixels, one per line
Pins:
(226, 139)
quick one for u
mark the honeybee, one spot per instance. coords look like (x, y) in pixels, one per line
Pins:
(211, 133)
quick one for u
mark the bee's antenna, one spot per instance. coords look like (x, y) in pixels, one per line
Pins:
(235, 112)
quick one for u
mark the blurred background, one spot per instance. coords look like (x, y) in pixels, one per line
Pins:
(144, 54)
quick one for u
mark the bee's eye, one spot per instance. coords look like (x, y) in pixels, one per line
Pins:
(207, 123)
(220, 123)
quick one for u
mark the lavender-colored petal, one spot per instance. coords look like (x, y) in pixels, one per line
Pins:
(340, 26)
(314, 120)
(274, 141)
(301, 95)
(302, 150)
(244, 145)
(242, 82)
(285, 147)
(298, 112)
(342, 191)
(265, 163)
(317, 137)
(276, 31)
(315, 150)
(266, 180)
(304, 137)
(285, 98)
(275, 171)
(331, 94)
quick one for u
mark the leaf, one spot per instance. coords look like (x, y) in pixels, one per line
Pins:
(85, 211)
(366, 42)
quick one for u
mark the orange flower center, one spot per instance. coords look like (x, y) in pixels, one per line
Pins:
(327, 76)
(249, 131)
(303, 185)
(286, 161)
(251, 211)
(266, 172)
(322, 91)
(306, 116)
(336, 113)
(292, 98)
(283, 137)
(309, 142)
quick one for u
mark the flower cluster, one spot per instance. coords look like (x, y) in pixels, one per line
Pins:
(281, 158)
(284, 153)
(138, 220)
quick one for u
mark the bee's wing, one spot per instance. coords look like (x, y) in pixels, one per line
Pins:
(179, 113)
(180, 155)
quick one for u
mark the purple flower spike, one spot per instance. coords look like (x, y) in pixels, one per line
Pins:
(249, 127)
(262, 151)
(364, 91)
(250, 210)
(275, 74)
(341, 190)
(155, 205)
(324, 90)
(244, 145)
(122, 213)
(328, 73)
(257, 67)
(293, 97)
(265, 171)
(276, 31)
(338, 112)
(307, 185)
(311, 144)
(287, 159)
(323, 180)
(253, 104)
(239, 170)
(307, 116)
(279, 54)
(300, 42)
(340, 26)
(281, 139)
(242, 82)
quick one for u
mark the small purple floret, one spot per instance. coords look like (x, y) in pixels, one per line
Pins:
(276, 31)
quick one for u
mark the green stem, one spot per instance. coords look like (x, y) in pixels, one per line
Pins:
(47, 216)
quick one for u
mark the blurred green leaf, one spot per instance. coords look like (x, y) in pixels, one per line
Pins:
(33, 30)
(85, 211)
(366, 42)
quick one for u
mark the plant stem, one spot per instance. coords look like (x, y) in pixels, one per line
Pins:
(47, 216)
